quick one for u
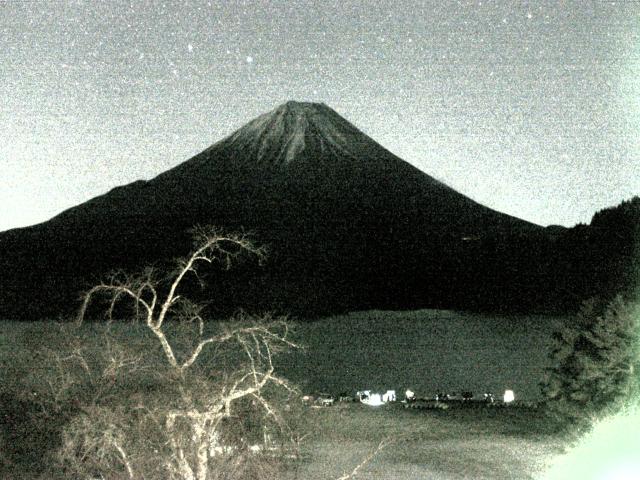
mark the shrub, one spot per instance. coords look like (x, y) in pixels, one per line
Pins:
(595, 363)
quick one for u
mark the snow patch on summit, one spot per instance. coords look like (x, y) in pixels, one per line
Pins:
(281, 135)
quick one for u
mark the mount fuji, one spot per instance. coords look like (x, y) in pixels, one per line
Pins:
(347, 225)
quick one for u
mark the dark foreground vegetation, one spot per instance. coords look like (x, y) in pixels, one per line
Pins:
(83, 403)
(457, 443)
(482, 442)
(495, 443)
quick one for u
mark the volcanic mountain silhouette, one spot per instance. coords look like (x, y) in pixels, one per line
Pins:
(347, 224)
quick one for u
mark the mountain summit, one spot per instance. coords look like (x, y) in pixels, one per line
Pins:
(348, 225)
(282, 135)
(298, 132)
(307, 151)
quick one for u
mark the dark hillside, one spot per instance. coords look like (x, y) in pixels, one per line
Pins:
(348, 225)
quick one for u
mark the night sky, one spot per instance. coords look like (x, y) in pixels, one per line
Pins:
(531, 108)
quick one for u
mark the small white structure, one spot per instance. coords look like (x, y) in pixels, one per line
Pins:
(508, 396)
(390, 396)
(374, 399)
(409, 395)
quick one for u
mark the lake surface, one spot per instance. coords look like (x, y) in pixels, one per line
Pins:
(426, 351)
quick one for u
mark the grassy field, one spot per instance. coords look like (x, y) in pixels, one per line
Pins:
(424, 350)
(485, 443)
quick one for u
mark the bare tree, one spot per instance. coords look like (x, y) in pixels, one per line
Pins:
(205, 405)
(143, 289)
(190, 425)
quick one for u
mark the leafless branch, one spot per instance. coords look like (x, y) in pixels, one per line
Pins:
(193, 419)
(383, 444)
